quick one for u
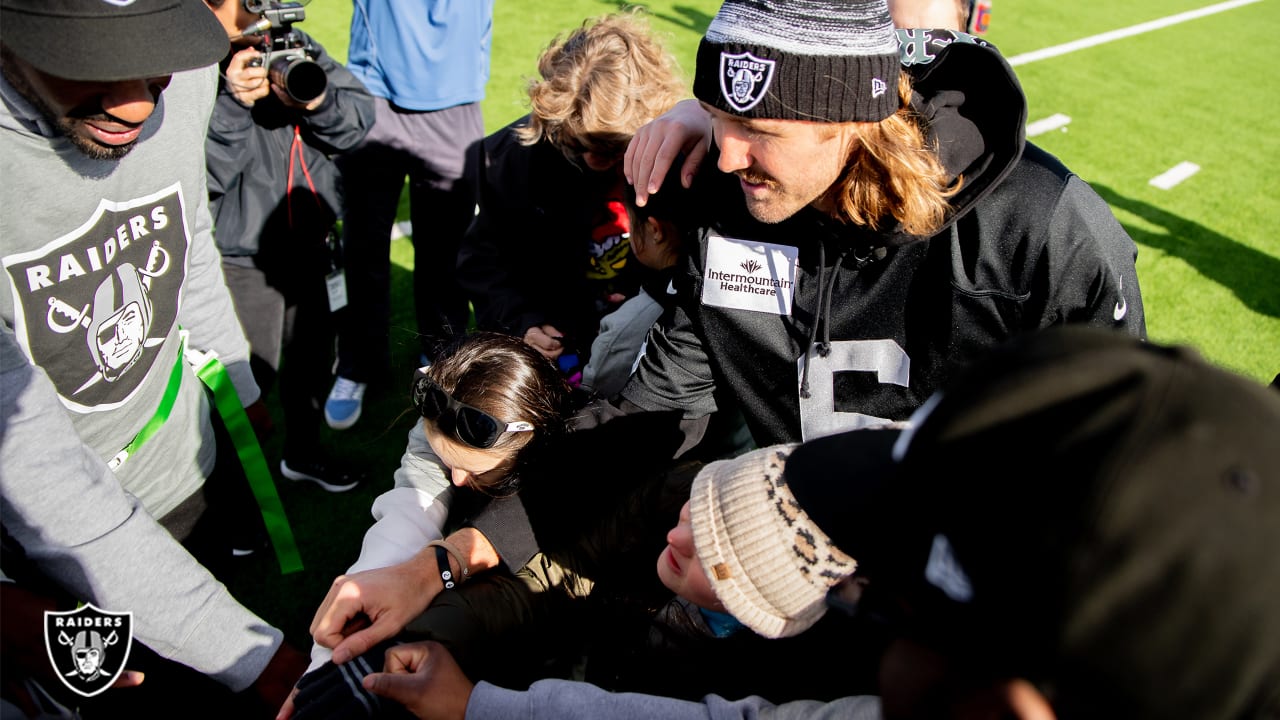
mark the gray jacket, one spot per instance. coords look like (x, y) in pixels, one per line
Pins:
(103, 262)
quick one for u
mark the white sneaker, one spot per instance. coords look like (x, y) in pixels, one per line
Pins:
(342, 408)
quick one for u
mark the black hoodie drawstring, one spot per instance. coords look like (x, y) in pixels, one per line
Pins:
(822, 309)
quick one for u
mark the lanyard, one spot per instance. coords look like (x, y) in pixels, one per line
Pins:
(162, 411)
(214, 375)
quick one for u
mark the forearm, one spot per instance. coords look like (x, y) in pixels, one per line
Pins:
(468, 552)
(563, 699)
(344, 118)
(475, 549)
(502, 534)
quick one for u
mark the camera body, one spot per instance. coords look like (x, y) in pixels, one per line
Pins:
(286, 54)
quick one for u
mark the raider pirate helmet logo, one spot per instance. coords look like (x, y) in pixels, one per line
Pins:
(88, 647)
(93, 307)
(744, 79)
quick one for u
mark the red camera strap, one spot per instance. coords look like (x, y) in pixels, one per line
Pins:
(295, 149)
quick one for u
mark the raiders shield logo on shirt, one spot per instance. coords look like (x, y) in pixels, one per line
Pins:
(93, 306)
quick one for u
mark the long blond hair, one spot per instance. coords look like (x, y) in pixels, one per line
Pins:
(894, 172)
(603, 81)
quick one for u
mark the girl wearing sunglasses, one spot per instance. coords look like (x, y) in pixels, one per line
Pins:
(489, 407)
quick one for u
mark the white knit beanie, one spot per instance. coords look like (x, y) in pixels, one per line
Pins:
(819, 60)
(768, 562)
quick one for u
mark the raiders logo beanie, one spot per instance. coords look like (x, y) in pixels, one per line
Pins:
(820, 60)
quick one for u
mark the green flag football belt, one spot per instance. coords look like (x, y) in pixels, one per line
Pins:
(215, 377)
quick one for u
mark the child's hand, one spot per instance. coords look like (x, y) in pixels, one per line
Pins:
(425, 678)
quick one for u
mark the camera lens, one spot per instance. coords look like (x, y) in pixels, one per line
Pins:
(303, 79)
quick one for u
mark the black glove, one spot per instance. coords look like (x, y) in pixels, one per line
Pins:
(334, 692)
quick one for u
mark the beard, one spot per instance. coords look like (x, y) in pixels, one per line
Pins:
(67, 125)
(97, 151)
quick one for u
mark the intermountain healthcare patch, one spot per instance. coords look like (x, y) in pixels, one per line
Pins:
(747, 275)
(88, 647)
(92, 306)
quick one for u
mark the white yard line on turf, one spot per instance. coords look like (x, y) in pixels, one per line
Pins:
(1138, 29)
(1053, 122)
(1174, 175)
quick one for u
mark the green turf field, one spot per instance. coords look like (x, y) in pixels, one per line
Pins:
(1199, 91)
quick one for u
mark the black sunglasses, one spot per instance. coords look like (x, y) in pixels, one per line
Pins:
(472, 426)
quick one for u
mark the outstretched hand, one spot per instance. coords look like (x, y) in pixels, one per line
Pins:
(685, 128)
(365, 608)
(425, 678)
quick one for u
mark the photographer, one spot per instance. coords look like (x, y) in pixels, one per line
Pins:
(274, 194)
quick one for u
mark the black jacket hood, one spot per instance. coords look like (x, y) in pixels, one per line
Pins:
(974, 109)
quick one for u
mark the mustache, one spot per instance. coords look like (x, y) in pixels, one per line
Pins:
(755, 177)
(91, 113)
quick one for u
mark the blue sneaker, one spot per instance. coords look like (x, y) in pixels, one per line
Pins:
(342, 408)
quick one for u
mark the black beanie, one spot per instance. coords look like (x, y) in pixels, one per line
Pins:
(820, 60)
